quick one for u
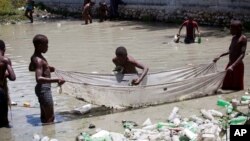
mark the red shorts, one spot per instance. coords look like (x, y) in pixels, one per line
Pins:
(234, 80)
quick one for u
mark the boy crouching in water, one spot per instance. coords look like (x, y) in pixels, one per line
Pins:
(43, 78)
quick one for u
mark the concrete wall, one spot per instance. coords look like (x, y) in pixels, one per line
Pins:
(205, 11)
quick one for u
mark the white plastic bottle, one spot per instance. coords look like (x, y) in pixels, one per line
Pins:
(84, 109)
(173, 113)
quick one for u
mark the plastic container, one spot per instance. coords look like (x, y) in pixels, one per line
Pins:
(240, 120)
(176, 38)
(162, 124)
(84, 109)
(190, 134)
(26, 104)
(207, 114)
(199, 39)
(244, 98)
(129, 124)
(223, 103)
(173, 113)
(215, 113)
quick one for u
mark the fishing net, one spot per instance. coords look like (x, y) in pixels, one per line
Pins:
(113, 90)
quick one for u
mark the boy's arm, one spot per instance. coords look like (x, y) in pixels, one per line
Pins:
(181, 28)
(223, 54)
(144, 72)
(10, 72)
(197, 28)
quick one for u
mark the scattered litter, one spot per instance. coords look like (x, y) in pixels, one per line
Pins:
(214, 126)
(26, 104)
(82, 110)
(13, 103)
(91, 126)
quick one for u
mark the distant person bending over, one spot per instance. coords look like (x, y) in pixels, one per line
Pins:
(6, 71)
(29, 10)
(103, 11)
(86, 12)
(127, 64)
(43, 78)
(191, 25)
(234, 79)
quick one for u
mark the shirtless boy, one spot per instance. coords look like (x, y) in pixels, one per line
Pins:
(6, 71)
(128, 64)
(43, 78)
(234, 79)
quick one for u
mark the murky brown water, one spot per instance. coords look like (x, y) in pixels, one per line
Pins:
(90, 48)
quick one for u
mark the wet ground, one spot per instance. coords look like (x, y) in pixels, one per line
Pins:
(90, 48)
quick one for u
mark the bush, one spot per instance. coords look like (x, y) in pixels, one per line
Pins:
(18, 3)
(8, 7)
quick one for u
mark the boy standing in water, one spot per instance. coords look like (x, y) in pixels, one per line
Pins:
(43, 78)
(128, 64)
(29, 10)
(191, 25)
(234, 79)
(6, 71)
(103, 11)
(86, 11)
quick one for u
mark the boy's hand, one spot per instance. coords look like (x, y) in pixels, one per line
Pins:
(216, 59)
(135, 82)
(230, 68)
(61, 81)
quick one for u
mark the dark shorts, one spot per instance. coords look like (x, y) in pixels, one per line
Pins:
(43, 92)
(189, 40)
(3, 109)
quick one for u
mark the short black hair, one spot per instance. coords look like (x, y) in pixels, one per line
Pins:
(236, 23)
(121, 51)
(2, 45)
(39, 39)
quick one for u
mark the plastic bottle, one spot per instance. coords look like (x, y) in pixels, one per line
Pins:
(190, 134)
(129, 124)
(244, 98)
(26, 104)
(176, 38)
(85, 136)
(162, 124)
(223, 103)
(196, 119)
(215, 113)
(36, 137)
(207, 114)
(229, 109)
(84, 109)
(199, 39)
(46, 138)
(238, 121)
(173, 113)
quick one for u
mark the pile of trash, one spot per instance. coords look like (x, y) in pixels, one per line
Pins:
(212, 126)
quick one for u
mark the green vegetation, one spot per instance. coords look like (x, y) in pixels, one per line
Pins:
(8, 10)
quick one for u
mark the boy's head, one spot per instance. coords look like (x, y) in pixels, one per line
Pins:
(235, 27)
(2, 46)
(190, 17)
(40, 43)
(121, 53)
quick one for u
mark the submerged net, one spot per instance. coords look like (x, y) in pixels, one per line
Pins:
(113, 90)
